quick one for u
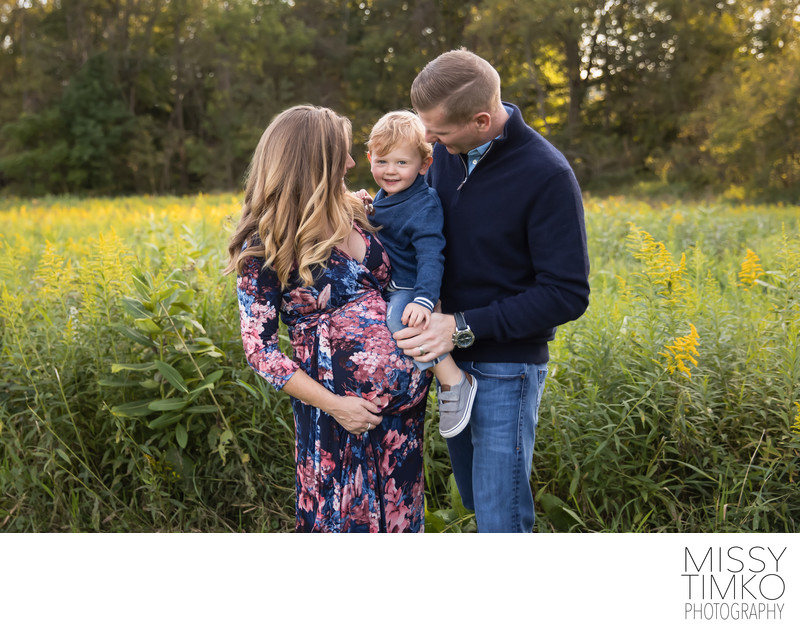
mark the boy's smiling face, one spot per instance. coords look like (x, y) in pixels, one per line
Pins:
(398, 169)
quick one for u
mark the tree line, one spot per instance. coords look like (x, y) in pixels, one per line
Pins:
(170, 96)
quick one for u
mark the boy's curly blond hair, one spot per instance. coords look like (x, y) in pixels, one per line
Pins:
(398, 128)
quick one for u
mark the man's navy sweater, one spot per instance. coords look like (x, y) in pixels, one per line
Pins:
(516, 261)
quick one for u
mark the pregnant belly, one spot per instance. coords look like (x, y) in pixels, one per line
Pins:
(367, 362)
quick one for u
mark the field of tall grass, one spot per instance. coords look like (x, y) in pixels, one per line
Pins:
(126, 404)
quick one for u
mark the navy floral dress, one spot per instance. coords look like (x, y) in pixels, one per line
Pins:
(345, 483)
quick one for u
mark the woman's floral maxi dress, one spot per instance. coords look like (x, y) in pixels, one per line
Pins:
(345, 483)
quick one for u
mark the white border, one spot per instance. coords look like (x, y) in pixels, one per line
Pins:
(408, 582)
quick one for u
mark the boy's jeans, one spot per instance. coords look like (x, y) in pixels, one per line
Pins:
(492, 457)
(396, 301)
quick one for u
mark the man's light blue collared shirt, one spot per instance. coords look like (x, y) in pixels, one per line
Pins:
(475, 154)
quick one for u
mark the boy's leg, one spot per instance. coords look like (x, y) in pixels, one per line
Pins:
(447, 371)
(492, 457)
(455, 393)
(396, 301)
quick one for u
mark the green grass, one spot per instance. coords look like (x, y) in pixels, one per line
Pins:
(126, 403)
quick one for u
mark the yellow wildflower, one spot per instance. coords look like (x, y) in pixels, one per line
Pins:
(751, 269)
(682, 352)
(668, 278)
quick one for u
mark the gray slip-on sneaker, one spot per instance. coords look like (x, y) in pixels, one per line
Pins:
(455, 406)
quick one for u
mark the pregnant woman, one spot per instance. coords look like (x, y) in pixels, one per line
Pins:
(304, 250)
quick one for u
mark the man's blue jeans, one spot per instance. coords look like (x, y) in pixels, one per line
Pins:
(492, 457)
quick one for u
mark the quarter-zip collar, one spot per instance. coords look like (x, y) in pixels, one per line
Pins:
(474, 156)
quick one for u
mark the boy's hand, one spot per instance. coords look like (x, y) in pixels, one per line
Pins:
(416, 315)
(366, 199)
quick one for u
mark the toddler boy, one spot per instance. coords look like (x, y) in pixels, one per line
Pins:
(410, 216)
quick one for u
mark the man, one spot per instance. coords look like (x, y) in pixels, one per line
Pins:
(516, 267)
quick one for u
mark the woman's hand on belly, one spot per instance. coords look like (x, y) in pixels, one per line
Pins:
(355, 414)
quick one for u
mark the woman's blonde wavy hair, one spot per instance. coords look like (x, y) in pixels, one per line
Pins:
(295, 198)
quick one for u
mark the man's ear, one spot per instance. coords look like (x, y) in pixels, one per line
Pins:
(426, 164)
(369, 157)
(483, 121)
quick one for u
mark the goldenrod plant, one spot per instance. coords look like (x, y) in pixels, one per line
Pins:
(126, 403)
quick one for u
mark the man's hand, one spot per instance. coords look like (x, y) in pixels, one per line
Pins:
(425, 344)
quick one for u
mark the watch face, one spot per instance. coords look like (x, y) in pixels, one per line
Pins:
(463, 339)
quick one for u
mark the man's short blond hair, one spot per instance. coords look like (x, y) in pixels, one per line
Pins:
(463, 83)
(398, 128)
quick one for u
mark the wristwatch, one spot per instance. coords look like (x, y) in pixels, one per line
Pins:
(463, 337)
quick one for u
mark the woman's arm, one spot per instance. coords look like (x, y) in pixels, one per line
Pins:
(355, 414)
(259, 299)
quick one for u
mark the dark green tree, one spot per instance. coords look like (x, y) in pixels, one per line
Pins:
(115, 96)
(98, 128)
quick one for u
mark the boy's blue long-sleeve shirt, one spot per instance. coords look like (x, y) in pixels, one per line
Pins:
(411, 232)
(516, 260)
